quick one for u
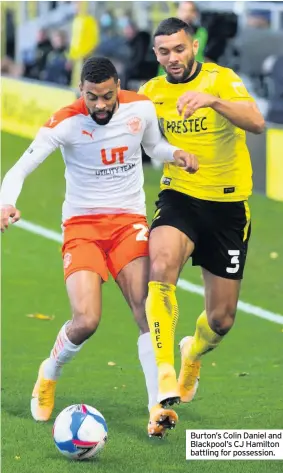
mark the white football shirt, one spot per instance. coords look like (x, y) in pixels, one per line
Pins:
(103, 162)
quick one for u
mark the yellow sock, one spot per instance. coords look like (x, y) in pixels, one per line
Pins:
(205, 339)
(162, 315)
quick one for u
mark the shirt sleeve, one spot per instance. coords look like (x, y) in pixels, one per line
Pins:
(229, 86)
(154, 144)
(143, 89)
(45, 142)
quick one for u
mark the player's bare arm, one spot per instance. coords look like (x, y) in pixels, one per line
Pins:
(243, 114)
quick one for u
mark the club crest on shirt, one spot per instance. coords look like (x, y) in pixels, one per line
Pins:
(166, 181)
(134, 125)
(67, 260)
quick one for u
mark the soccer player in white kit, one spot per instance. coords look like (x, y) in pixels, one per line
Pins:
(104, 218)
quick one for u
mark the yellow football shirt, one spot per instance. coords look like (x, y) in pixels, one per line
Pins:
(225, 172)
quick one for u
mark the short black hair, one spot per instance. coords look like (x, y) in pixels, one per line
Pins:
(171, 26)
(98, 70)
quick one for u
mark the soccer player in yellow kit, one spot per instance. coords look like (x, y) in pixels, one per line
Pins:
(204, 109)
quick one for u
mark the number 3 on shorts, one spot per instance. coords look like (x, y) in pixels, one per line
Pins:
(143, 230)
(234, 261)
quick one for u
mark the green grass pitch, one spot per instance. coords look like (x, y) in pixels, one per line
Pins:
(32, 281)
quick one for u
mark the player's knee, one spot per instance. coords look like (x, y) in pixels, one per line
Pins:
(161, 267)
(221, 320)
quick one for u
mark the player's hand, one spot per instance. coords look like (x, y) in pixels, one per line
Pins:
(188, 162)
(191, 101)
(7, 212)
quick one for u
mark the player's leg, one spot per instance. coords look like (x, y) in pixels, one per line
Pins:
(221, 296)
(85, 268)
(84, 290)
(133, 282)
(169, 250)
(129, 265)
(172, 241)
(225, 256)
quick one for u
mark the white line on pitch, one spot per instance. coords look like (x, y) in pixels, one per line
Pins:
(183, 284)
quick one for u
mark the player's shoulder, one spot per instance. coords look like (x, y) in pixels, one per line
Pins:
(152, 85)
(78, 107)
(219, 71)
(127, 96)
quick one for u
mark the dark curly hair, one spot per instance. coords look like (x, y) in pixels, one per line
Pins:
(97, 70)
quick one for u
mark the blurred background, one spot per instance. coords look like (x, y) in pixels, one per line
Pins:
(48, 41)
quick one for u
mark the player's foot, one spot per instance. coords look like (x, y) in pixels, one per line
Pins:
(168, 392)
(161, 420)
(190, 372)
(43, 395)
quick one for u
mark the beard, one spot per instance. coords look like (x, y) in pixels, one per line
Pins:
(106, 119)
(186, 72)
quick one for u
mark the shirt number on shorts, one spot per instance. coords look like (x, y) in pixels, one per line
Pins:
(116, 154)
(234, 261)
(143, 230)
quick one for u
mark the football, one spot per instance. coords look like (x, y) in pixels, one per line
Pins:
(80, 432)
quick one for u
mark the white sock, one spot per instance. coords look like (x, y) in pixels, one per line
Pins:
(147, 359)
(62, 352)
